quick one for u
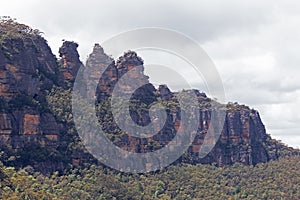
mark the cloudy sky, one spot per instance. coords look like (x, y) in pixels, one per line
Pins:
(254, 44)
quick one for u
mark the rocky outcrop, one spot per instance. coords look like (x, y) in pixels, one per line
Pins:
(29, 71)
(164, 92)
(26, 76)
(98, 62)
(242, 139)
(69, 62)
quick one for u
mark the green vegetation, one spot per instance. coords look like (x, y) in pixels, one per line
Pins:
(236, 107)
(10, 29)
(12, 34)
(273, 180)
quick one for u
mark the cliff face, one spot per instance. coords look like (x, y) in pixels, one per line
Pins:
(242, 139)
(29, 72)
(69, 62)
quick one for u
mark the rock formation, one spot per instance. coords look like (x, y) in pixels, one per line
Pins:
(69, 61)
(242, 139)
(29, 70)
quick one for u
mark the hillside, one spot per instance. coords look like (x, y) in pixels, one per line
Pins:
(36, 125)
(42, 156)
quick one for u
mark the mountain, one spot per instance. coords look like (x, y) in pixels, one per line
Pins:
(36, 122)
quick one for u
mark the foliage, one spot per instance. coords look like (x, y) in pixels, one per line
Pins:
(236, 107)
(9, 28)
(273, 180)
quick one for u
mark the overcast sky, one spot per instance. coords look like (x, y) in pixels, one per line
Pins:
(254, 44)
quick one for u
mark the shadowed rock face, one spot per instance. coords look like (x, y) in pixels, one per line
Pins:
(28, 69)
(69, 62)
(241, 140)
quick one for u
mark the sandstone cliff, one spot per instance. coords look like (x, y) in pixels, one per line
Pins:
(36, 126)
(242, 139)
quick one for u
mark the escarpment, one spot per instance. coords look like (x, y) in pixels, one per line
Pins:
(36, 126)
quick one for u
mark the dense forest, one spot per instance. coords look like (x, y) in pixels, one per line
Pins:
(273, 180)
